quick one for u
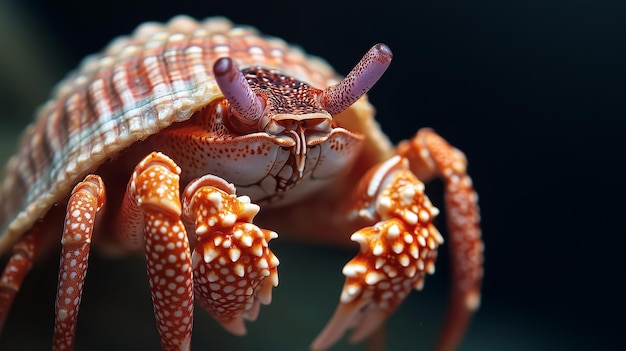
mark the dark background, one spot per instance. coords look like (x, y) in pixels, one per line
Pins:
(531, 91)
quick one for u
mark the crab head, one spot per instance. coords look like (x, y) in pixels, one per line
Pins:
(296, 114)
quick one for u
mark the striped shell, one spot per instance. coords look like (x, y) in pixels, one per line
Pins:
(139, 85)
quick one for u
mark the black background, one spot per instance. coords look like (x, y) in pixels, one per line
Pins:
(531, 91)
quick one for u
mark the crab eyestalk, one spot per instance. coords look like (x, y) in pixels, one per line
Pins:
(247, 107)
(363, 76)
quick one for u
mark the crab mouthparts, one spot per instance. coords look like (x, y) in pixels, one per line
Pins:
(300, 132)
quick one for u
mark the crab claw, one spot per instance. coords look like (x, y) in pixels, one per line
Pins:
(234, 269)
(395, 255)
(359, 81)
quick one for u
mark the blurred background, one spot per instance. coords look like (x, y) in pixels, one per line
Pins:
(531, 91)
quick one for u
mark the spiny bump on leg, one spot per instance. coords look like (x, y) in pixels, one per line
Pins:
(395, 256)
(86, 200)
(234, 269)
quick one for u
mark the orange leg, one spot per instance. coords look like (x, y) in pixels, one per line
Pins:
(400, 248)
(16, 269)
(234, 269)
(151, 215)
(86, 200)
(395, 254)
(430, 156)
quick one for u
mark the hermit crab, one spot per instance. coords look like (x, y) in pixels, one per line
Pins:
(196, 142)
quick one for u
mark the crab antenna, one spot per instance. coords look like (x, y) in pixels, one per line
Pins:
(248, 107)
(363, 76)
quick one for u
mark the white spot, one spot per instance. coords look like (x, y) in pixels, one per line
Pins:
(398, 247)
(372, 278)
(393, 231)
(229, 220)
(234, 254)
(410, 217)
(216, 199)
(354, 269)
(430, 267)
(379, 263)
(410, 272)
(262, 263)
(472, 300)
(414, 251)
(239, 270)
(201, 229)
(255, 50)
(62, 314)
(215, 296)
(350, 292)
(421, 241)
(378, 250)
(386, 295)
(257, 250)
(407, 194)
(246, 240)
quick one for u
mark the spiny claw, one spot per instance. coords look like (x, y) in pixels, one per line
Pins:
(395, 255)
(234, 269)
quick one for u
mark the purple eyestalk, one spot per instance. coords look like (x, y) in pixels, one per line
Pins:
(248, 107)
(363, 76)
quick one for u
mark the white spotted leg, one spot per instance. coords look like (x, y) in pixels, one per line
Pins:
(234, 269)
(19, 264)
(86, 200)
(395, 253)
(151, 214)
(431, 156)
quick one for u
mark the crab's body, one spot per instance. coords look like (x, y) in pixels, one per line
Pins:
(219, 110)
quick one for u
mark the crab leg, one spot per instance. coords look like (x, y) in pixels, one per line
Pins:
(151, 209)
(85, 202)
(16, 269)
(395, 254)
(430, 156)
(234, 269)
